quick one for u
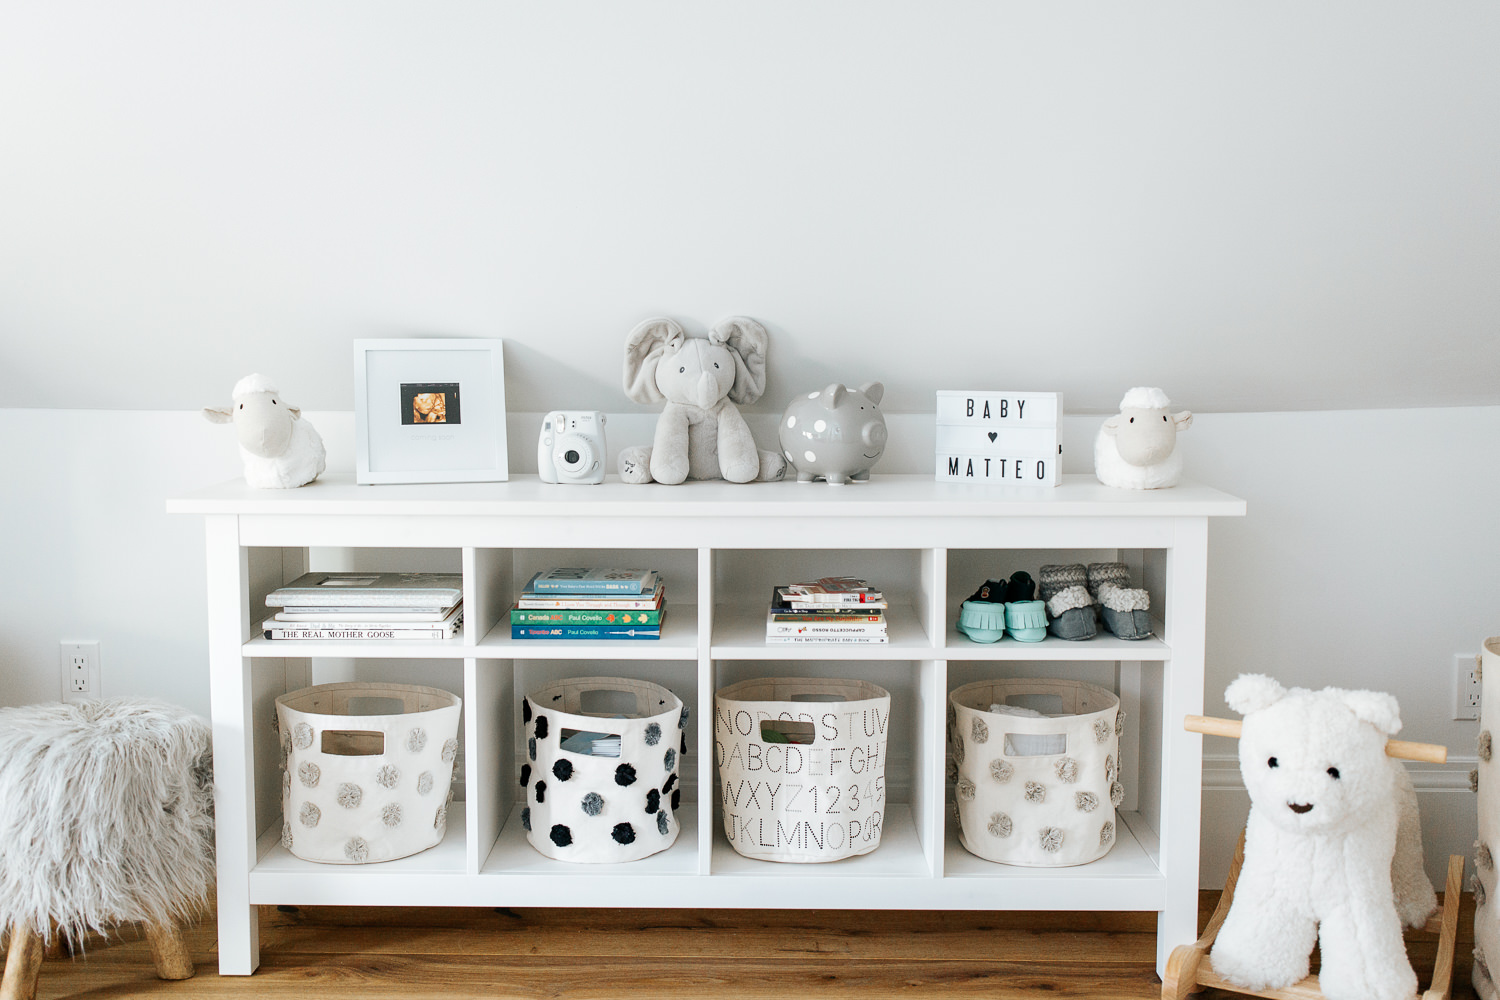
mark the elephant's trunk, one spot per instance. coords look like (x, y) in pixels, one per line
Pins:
(708, 391)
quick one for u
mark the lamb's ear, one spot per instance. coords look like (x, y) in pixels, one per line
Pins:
(1182, 420)
(747, 340)
(873, 391)
(1111, 425)
(647, 344)
(1252, 692)
(217, 414)
(1379, 709)
(295, 411)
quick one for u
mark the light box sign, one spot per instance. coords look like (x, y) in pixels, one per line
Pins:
(998, 438)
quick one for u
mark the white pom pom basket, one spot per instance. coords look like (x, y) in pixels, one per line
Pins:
(362, 788)
(600, 810)
(1036, 792)
(815, 789)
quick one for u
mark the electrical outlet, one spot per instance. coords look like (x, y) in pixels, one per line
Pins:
(79, 664)
(1465, 686)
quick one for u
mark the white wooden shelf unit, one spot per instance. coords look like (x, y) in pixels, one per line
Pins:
(722, 547)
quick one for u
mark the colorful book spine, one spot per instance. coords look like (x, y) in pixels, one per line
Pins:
(601, 581)
(530, 600)
(789, 639)
(778, 628)
(583, 616)
(581, 632)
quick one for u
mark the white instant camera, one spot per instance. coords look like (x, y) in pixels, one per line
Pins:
(571, 448)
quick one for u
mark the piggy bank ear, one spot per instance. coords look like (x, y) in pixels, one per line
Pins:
(873, 391)
(1375, 707)
(746, 340)
(1253, 692)
(647, 344)
(832, 396)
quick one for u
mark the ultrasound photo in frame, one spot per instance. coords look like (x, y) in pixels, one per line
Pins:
(429, 411)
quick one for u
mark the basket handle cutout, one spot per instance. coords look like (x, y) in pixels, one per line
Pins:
(1035, 744)
(611, 702)
(1047, 704)
(374, 705)
(818, 696)
(353, 743)
(786, 731)
(587, 743)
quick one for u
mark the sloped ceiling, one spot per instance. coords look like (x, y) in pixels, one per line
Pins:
(1254, 206)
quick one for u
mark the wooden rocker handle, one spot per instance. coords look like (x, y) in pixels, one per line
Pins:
(1430, 753)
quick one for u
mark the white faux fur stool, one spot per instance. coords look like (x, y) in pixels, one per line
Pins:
(106, 816)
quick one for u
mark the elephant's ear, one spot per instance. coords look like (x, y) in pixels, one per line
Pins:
(647, 344)
(746, 340)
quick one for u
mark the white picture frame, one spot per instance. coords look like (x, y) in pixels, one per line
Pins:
(429, 411)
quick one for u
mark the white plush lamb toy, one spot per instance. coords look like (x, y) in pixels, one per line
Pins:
(1333, 849)
(1136, 449)
(280, 449)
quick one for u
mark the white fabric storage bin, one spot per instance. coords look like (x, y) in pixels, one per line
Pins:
(1486, 781)
(595, 809)
(814, 791)
(362, 788)
(1036, 792)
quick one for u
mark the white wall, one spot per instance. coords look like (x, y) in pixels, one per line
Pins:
(1260, 206)
(1366, 559)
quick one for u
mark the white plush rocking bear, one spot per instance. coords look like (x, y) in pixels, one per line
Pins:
(1333, 848)
(700, 434)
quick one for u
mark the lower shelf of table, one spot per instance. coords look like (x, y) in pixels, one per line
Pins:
(894, 876)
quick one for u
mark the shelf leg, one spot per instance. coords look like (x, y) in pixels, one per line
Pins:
(232, 708)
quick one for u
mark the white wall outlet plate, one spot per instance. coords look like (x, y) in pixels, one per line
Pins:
(1465, 686)
(78, 664)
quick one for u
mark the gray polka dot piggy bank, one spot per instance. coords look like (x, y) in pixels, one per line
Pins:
(835, 434)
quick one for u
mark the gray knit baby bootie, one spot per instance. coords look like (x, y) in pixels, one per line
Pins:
(1070, 606)
(1124, 608)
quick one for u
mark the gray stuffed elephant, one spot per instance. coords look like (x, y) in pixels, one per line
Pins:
(701, 434)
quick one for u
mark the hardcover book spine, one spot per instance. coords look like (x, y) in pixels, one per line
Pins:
(359, 633)
(779, 629)
(577, 616)
(581, 632)
(531, 601)
(826, 638)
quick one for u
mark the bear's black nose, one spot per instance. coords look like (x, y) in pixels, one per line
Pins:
(1299, 808)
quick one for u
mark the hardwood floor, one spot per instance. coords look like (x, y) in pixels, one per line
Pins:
(354, 953)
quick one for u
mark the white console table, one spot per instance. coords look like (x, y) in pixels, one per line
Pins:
(722, 547)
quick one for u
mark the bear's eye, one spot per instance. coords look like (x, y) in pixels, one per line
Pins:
(1333, 773)
(716, 364)
(1272, 763)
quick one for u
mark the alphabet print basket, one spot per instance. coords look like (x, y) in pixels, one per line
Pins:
(600, 788)
(361, 788)
(802, 766)
(1036, 792)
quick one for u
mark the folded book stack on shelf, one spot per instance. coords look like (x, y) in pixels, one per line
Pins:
(834, 609)
(572, 603)
(367, 606)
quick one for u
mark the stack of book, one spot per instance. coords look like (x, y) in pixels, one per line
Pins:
(574, 603)
(367, 606)
(835, 609)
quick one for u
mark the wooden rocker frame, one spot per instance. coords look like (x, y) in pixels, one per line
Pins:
(1189, 968)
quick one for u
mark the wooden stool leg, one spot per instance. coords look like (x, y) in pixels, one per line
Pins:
(23, 964)
(58, 946)
(169, 952)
